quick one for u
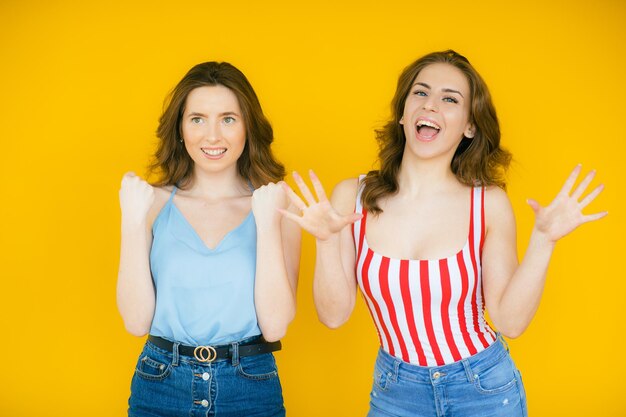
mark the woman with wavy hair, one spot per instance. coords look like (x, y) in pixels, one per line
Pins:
(208, 267)
(433, 243)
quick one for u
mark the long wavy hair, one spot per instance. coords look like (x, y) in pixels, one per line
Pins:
(173, 165)
(477, 161)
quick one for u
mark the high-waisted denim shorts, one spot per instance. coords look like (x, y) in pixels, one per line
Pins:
(487, 385)
(168, 384)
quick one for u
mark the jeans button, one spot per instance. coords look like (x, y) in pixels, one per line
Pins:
(205, 403)
(206, 376)
(436, 375)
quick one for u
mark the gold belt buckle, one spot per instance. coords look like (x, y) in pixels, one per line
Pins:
(206, 354)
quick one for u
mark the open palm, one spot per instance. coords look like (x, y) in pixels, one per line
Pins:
(318, 216)
(564, 214)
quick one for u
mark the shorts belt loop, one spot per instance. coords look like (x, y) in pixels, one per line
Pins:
(468, 371)
(234, 347)
(175, 354)
(504, 342)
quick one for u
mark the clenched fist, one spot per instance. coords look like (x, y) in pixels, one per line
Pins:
(136, 198)
(266, 201)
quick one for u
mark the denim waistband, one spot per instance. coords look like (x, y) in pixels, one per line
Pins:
(465, 369)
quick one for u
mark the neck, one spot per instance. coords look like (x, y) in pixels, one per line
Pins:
(425, 176)
(218, 184)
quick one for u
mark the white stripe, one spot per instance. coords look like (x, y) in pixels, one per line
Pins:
(418, 313)
(374, 282)
(394, 291)
(469, 315)
(436, 295)
(456, 289)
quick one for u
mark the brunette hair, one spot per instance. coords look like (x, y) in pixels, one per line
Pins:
(256, 164)
(477, 161)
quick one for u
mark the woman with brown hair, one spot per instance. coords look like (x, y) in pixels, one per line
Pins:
(208, 267)
(433, 242)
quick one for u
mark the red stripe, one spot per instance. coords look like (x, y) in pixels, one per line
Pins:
(428, 321)
(475, 276)
(384, 290)
(408, 311)
(446, 295)
(461, 306)
(368, 293)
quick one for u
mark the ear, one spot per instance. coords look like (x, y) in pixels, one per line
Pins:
(470, 131)
(402, 120)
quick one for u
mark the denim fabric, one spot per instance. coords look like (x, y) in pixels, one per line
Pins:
(486, 385)
(168, 384)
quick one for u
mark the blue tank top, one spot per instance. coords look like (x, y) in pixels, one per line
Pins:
(203, 296)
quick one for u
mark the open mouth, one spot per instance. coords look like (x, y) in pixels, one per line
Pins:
(426, 129)
(213, 152)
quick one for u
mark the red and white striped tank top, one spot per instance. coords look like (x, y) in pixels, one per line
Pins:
(427, 312)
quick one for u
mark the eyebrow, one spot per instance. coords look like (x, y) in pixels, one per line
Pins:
(445, 90)
(227, 113)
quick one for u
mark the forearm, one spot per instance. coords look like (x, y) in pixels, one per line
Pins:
(275, 296)
(521, 297)
(334, 289)
(135, 290)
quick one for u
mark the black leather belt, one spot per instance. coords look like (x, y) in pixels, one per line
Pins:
(209, 354)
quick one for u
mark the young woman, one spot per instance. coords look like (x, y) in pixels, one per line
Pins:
(208, 267)
(433, 242)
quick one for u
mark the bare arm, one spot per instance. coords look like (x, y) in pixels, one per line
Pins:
(278, 261)
(513, 291)
(135, 290)
(334, 284)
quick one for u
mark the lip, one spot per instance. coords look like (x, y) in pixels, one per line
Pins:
(423, 138)
(215, 156)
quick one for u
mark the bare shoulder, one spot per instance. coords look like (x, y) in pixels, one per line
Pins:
(498, 207)
(344, 195)
(161, 195)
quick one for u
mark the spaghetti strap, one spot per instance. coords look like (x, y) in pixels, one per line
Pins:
(174, 188)
(251, 186)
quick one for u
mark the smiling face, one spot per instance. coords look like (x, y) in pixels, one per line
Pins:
(213, 128)
(436, 112)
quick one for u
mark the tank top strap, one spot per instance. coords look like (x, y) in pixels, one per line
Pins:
(358, 208)
(358, 227)
(250, 186)
(477, 218)
(174, 188)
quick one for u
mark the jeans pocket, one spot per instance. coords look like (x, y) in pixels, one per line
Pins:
(152, 369)
(382, 378)
(257, 367)
(497, 378)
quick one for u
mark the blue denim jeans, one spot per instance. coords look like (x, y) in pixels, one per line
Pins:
(168, 384)
(487, 384)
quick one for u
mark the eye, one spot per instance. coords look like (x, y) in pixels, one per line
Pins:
(229, 120)
(450, 100)
(420, 93)
(196, 120)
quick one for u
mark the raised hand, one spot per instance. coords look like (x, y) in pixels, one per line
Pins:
(266, 200)
(318, 216)
(136, 198)
(564, 214)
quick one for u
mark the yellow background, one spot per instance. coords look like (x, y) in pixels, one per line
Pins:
(82, 86)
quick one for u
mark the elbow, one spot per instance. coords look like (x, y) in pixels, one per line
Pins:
(137, 328)
(512, 331)
(332, 322)
(274, 333)
(276, 329)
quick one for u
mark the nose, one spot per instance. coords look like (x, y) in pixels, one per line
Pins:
(212, 133)
(430, 104)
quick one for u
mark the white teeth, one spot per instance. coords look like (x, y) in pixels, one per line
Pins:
(214, 152)
(427, 123)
